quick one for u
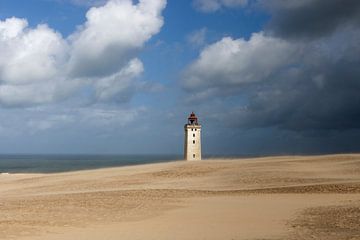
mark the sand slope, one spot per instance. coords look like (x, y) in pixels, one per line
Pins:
(315, 197)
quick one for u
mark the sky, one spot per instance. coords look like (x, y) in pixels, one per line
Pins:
(265, 77)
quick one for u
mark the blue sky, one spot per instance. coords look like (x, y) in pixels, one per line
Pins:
(121, 76)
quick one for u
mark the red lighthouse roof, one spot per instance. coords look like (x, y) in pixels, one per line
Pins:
(192, 119)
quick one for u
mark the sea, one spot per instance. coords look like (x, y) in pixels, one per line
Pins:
(31, 163)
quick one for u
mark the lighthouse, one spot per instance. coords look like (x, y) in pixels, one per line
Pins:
(192, 146)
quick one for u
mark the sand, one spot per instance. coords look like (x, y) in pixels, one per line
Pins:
(288, 197)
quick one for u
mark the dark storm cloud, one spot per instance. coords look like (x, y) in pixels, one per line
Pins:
(319, 91)
(311, 18)
(305, 85)
(301, 101)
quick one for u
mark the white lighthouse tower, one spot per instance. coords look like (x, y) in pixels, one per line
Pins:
(192, 146)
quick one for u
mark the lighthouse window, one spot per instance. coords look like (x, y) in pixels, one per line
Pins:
(195, 129)
(193, 141)
(192, 129)
(194, 135)
(193, 155)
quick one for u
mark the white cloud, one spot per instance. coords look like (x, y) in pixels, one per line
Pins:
(37, 65)
(31, 63)
(111, 36)
(29, 55)
(214, 5)
(232, 63)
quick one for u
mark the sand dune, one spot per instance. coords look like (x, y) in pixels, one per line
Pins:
(315, 197)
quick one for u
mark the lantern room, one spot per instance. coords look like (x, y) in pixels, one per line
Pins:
(192, 119)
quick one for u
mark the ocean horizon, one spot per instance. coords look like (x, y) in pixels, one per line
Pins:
(55, 163)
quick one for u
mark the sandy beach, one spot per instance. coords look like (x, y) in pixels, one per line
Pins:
(313, 197)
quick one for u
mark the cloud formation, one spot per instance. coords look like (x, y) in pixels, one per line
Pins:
(305, 83)
(119, 85)
(310, 18)
(31, 61)
(38, 65)
(233, 63)
(111, 36)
